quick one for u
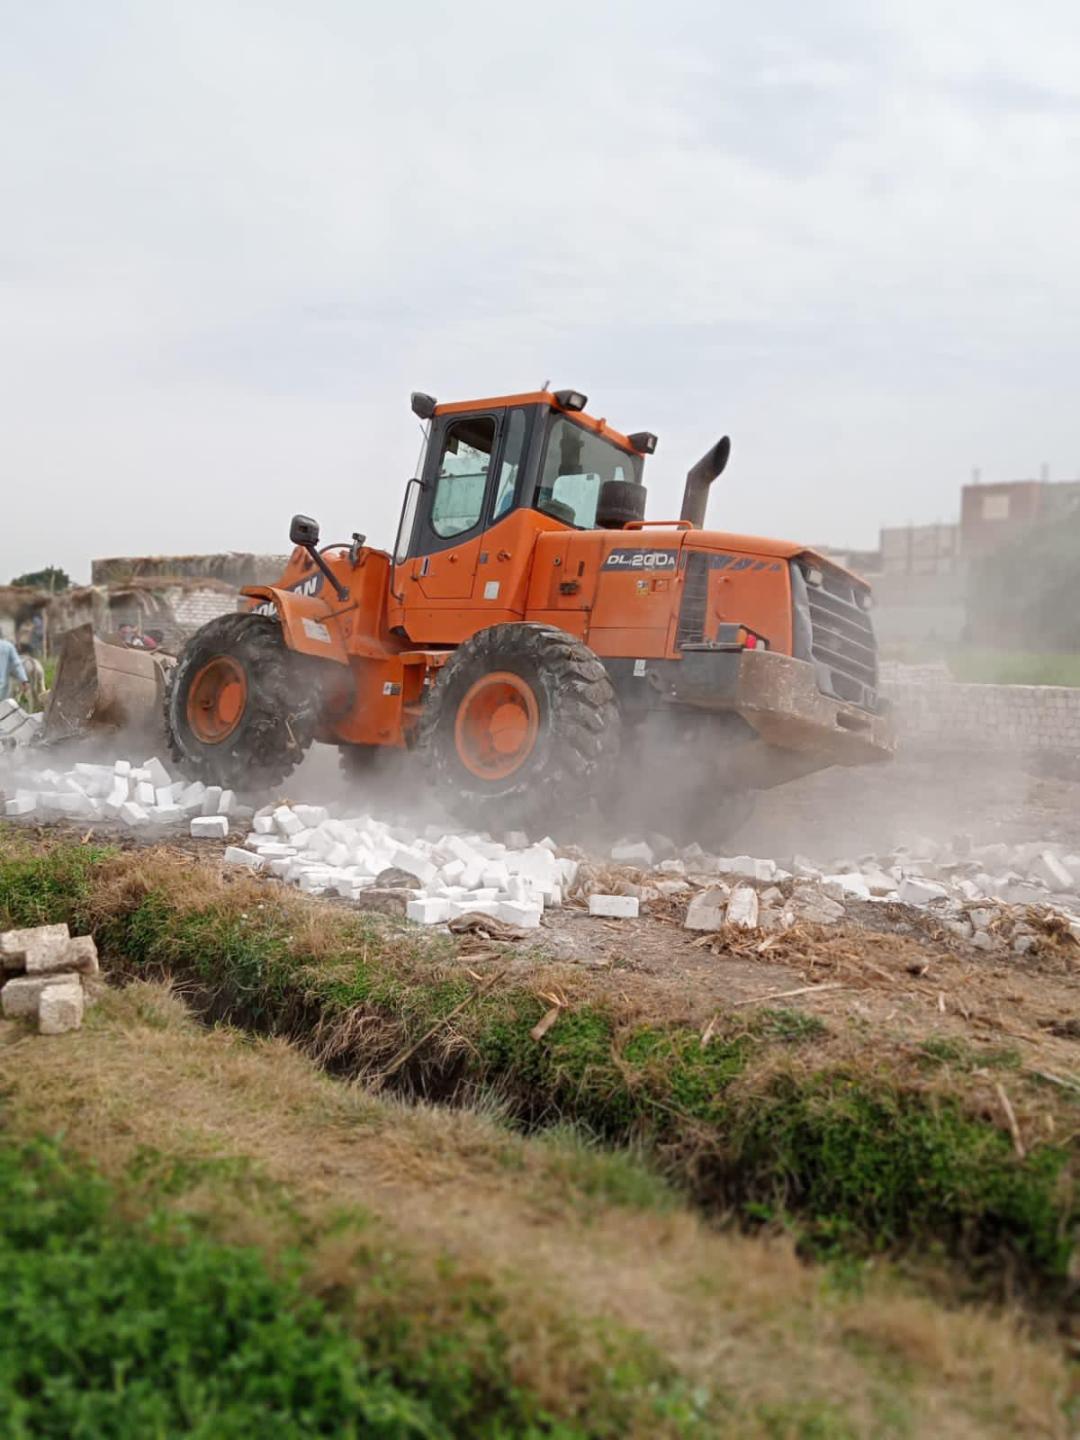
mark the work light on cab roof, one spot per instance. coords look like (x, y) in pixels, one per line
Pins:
(529, 627)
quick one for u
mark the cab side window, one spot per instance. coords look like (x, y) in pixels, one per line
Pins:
(510, 464)
(461, 480)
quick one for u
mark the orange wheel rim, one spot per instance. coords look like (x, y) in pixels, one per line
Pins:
(497, 723)
(216, 699)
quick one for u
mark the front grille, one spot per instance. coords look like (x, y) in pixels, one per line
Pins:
(842, 643)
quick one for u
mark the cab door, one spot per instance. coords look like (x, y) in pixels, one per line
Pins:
(447, 542)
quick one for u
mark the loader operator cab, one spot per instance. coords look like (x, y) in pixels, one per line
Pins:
(485, 460)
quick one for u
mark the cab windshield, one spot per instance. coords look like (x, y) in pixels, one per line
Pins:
(577, 462)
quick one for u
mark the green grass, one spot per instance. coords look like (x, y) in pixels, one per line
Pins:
(859, 1155)
(153, 1327)
(1013, 667)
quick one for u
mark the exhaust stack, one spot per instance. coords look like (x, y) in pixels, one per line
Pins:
(700, 476)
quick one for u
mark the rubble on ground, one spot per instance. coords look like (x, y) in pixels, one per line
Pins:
(437, 877)
(43, 969)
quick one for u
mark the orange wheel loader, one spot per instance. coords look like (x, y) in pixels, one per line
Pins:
(531, 630)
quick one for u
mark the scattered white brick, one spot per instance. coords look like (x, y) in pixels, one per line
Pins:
(742, 910)
(211, 799)
(514, 912)
(286, 820)
(20, 806)
(263, 824)
(414, 864)
(234, 855)
(132, 813)
(637, 853)
(20, 997)
(429, 911)
(122, 767)
(707, 910)
(60, 1008)
(850, 884)
(920, 892)
(614, 907)
(226, 802)
(156, 772)
(33, 943)
(209, 827)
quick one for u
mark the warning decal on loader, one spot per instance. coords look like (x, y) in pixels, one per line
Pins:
(635, 559)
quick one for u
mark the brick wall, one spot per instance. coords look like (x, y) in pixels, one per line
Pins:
(1008, 718)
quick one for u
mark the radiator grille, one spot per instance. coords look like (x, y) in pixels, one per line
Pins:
(842, 641)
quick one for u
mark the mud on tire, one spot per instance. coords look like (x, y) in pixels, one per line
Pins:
(573, 721)
(277, 717)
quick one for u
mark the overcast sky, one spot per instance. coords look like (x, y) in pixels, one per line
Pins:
(234, 236)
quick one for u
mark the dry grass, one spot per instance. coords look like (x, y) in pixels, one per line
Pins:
(739, 1312)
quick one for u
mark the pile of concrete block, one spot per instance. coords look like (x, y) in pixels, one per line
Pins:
(43, 969)
(140, 796)
(17, 727)
(444, 876)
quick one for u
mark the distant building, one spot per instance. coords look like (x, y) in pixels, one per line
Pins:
(991, 515)
(920, 550)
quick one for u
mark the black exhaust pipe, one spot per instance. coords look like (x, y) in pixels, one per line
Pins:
(695, 498)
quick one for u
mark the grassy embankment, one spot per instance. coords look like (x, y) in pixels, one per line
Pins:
(509, 1285)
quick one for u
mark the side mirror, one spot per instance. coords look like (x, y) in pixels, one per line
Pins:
(304, 531)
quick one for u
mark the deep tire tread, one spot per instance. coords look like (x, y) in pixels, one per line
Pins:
(280, 715)
(579, 744)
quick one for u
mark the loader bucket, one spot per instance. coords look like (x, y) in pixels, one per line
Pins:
(98, 685)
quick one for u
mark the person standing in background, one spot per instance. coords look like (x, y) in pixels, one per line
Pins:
(10, 665)
(35, 676)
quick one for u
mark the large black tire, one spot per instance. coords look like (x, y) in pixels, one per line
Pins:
(577, 729)
(279, 710)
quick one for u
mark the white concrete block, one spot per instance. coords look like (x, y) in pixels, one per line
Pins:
(495, 875)
(209, 827)
(429, 911)
(122, 767)
(243, 858)
(144, 795)
(156, 773)
(133, 814)
(920, 892)
(263, 824)
(850, 884)
(452, 872)
(211, 799)
(26, 805)
(287, 821)
(193, 794)
(514, 912)
(226, 802)
(413, 863)
(82, 955)
(20, 997)
(60, 1008)
(33, 945)
(707, 910)
(615, 907)
(162, 795)
(742, 910)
